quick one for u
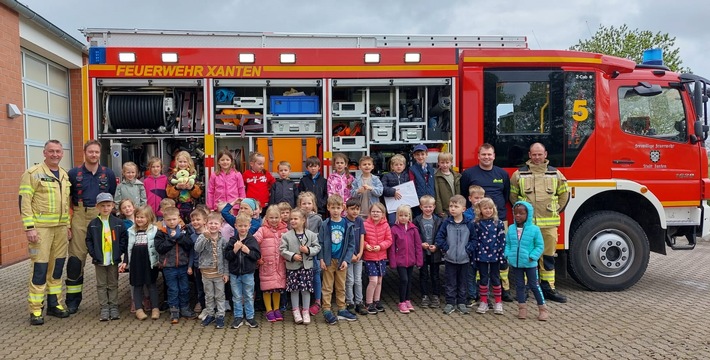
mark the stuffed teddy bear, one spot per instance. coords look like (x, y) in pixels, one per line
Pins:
(183, 177)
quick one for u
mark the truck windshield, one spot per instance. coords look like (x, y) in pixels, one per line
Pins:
(661, 116)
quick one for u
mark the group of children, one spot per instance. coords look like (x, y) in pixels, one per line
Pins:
(315, 239)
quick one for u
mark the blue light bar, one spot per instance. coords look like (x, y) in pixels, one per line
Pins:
(97, 55)
(653, 57)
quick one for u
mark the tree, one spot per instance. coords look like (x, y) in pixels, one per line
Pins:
(630, 44)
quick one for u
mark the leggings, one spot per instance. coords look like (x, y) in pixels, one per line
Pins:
(138, 296)
(374, 289)
(405, 282)
(305, 296)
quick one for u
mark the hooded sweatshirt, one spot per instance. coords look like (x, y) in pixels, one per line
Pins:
(455, 240)
(224, 187)
(524, 251)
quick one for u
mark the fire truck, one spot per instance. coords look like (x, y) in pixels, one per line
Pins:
(629, 137)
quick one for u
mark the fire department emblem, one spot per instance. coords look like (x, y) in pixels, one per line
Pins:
(655, 156)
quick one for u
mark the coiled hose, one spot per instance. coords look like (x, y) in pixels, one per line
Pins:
(127, 111)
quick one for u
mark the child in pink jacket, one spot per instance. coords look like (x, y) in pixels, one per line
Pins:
(272, 267)
(405, 252)
(378, 238)
(227, 184)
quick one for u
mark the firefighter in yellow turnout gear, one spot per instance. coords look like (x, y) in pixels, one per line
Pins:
(44, 208)
(546, 189)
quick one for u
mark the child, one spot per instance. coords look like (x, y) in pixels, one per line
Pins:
(337, 247)
(142, 260)
(106, 241)
(258, 181)
(367, 188)
(340, 181)
(227, 230)
(126, 210)
(198, 220)
(523, 249)
(272, 267)
(285, 212)
(353, 280)
(242, 253)
(453, 239)
(130, 187)
(447, 182)
(314, 182)
(404, 254)
(428, 224)
(307, 203)
(246, 206)
(174, 248)
(475, 195)
(283, 190)
(227, 184)
(396, 176)
(209, 248)
(298, 246)
(155, 184)
(421, 173)
(378, 238)
(185, 195)
(490, 244)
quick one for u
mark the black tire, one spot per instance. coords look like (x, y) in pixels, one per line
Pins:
(609, 251)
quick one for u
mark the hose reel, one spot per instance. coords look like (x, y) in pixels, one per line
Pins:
(134, 110)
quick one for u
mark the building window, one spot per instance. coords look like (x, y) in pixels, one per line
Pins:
(45, 90)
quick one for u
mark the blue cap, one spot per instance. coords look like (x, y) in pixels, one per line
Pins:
(103, 197)
(251, 202)
(420, 147)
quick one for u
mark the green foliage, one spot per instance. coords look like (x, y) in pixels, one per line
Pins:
(630, 44)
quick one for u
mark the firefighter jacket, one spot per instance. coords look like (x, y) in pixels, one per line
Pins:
(44, 198)
(545, 188)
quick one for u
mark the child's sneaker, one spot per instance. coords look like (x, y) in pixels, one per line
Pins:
(237, 323)
(330, 318)
(306, 317)
(482, 307)
(207, 320)
(297, 318)
(403, 308)
(471, 302)
(104, 314)
(409, 305)
(219, 323)
(463, 309)
(155, 314)
(448, 309)
(379, 307)
(498, 308)
(270, 317)
(252, 323)
(425, 301)
(346, 315)
(174, 315)
(203, 314)
(278, 316)
(360, 309)
(315, 308)
(371, 309)
(187, 313)
(351, 309)
(435, 303)
(114, 314)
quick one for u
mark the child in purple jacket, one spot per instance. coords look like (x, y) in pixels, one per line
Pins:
(404, 254)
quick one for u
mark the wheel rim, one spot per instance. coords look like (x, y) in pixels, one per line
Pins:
(610, 253)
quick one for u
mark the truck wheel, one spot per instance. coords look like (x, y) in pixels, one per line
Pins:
(608, 251)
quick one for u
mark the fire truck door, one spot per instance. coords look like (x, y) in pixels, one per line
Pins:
(650, 143)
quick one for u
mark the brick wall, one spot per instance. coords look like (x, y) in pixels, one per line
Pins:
(13, 244)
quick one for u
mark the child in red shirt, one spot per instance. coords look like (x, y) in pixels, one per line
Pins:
(257, 181)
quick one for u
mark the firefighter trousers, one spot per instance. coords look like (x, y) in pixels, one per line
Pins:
(77, 253)
(46, 264)
(546, 264)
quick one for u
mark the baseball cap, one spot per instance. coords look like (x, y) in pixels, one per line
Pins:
(103, 197)
(250, 202)
(420, 147)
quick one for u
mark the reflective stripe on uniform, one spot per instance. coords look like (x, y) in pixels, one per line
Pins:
(35, 298)
(54, 290)
(74, 289)
(26, 190)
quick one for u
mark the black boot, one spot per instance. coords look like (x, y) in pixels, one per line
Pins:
(551, 294)
(506, 296)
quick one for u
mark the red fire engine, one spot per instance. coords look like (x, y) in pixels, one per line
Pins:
(628, 137)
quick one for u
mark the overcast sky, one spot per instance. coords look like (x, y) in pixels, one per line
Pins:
(547, 24)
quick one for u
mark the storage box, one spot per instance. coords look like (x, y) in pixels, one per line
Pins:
(305, 127)
(411, 133)
(348, 142)
(294, 105)
(382, 131)
(246, 101)
(341, 108)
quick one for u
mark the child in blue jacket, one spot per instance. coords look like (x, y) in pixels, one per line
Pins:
(523, 249)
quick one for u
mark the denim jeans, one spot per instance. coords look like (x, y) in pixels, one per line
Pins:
(317, 283)
(531, 273)
(243, 292)
(353, 283)
(471, 282)
(178, 286)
